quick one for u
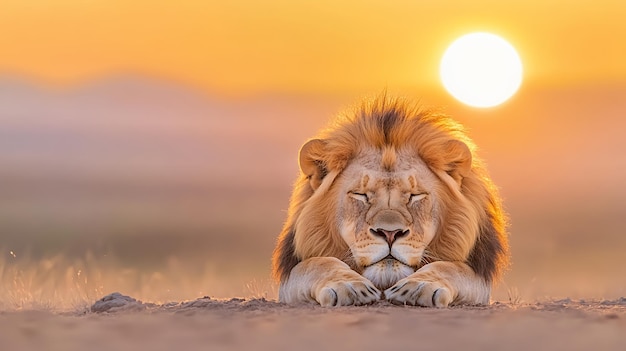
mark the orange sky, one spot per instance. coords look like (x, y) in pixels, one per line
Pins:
(242, 47)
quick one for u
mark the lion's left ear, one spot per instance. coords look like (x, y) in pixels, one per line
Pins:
(457, 159)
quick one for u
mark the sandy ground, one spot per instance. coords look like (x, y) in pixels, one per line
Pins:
(120, 323)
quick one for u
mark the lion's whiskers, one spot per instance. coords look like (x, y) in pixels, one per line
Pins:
(427, 257)
(348, 257)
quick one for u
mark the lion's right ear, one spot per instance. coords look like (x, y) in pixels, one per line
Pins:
(311, 162)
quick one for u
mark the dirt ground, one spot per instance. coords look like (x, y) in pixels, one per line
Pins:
(122, 323)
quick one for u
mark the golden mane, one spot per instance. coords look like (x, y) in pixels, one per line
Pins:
(473, 224)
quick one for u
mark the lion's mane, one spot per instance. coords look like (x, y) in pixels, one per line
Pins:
(473, 223)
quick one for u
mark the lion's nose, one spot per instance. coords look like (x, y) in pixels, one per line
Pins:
(389, 235)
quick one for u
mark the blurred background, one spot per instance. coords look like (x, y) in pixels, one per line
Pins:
(149, 147)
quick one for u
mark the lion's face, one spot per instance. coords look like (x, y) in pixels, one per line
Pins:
(387, 215)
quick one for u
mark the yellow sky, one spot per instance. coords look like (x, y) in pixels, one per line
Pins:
(238, 46)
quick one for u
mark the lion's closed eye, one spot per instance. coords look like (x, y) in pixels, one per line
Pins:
(417, 197)
(359, 196)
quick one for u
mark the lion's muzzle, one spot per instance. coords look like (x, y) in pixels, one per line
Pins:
(389, 224)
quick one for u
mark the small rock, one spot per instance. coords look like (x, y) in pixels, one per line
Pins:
(115, 302)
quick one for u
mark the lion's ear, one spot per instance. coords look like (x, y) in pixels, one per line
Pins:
(458, 159)
(311, 162)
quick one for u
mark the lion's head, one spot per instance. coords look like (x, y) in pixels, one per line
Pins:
(388, 188)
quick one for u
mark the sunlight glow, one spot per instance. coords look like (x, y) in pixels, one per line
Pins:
(481, 70)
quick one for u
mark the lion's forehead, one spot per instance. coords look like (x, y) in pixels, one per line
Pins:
(409, 175)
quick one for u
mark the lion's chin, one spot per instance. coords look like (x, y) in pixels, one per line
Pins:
(387, 272)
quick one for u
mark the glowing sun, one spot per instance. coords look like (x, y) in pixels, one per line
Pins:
(481, 70)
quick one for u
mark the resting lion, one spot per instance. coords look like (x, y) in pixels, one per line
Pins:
(392, 203)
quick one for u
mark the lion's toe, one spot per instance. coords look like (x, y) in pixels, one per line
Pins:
(419, 293)
(347, 294)
(328, 297)
(441, 297)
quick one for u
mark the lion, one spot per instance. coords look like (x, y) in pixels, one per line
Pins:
(392, 203)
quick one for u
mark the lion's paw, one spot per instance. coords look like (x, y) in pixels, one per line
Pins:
(412, 291)
(348, 292)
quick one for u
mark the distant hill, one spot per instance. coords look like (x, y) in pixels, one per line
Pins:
(140, 130)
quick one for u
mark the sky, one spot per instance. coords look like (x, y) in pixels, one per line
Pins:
(244, 47)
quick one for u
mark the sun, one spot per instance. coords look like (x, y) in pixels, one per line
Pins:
(481, 70)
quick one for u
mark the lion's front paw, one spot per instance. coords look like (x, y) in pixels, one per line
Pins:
(356, 291)
(412, 291)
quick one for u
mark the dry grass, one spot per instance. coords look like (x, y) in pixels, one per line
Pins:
(59, 284)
